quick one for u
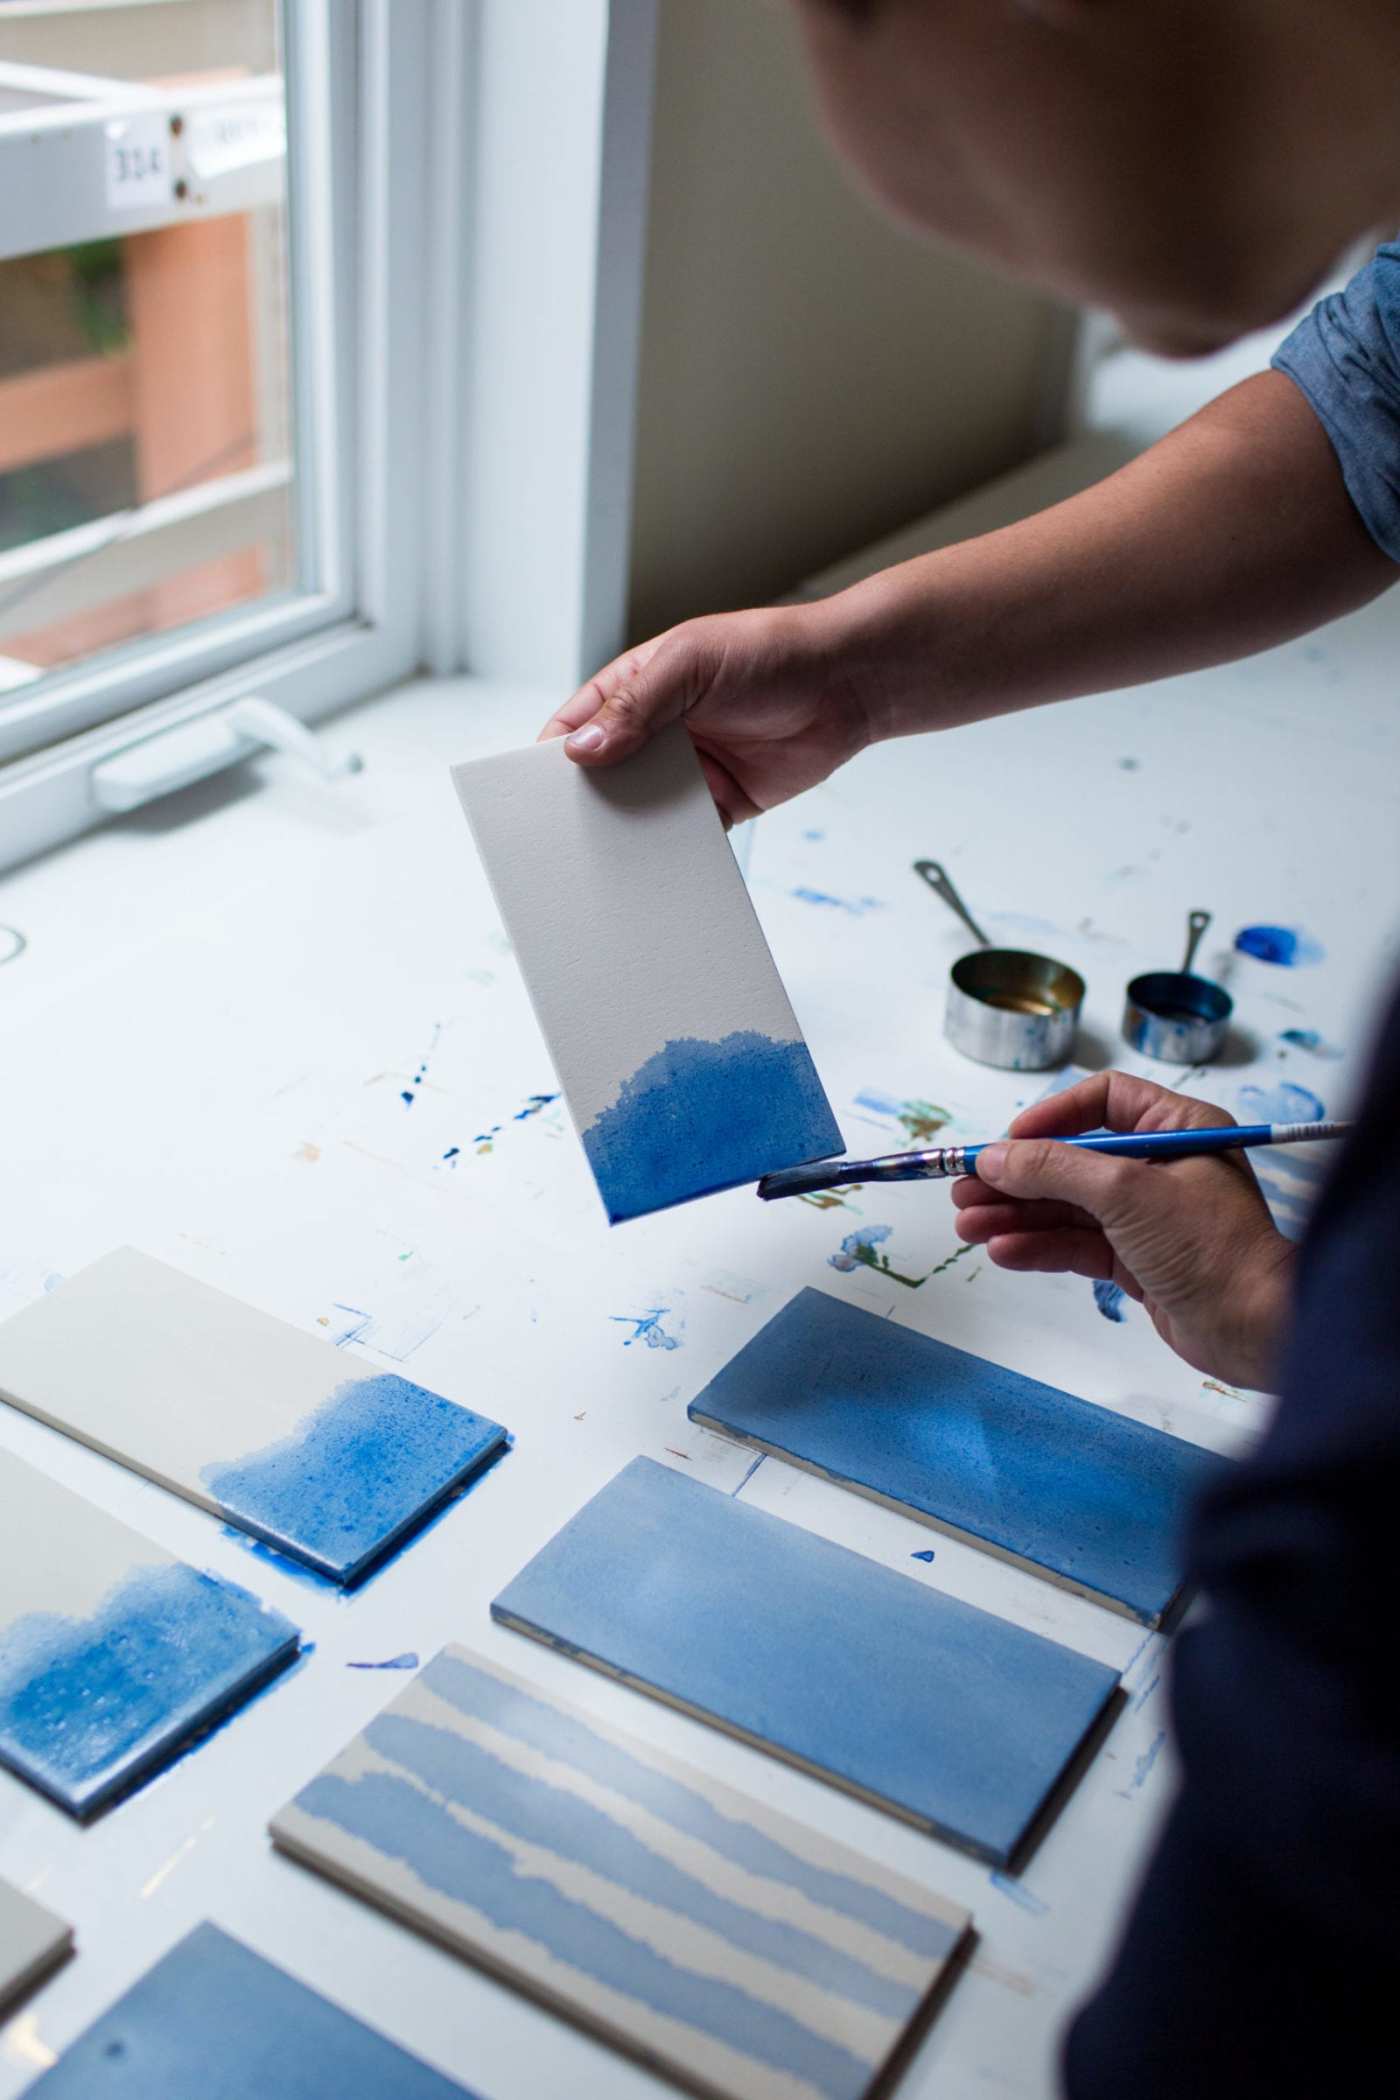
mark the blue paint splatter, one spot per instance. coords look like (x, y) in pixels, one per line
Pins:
(452, 1152)
(533, 1106)
(89, 1706)
(355, 1475)
(407, 1661)
(701, 1116)
(1288, 946)
(409, 1094)
(858, 1249)
(647, 1328)
(1309, 1039)
(1109, 1299)
(927, 1554)
(814, 835)
(1019, 1894)
(1284, 1103)
(856, 906)
(1148, 1759)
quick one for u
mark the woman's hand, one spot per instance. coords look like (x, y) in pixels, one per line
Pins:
(1192, 1240)
(770, 699)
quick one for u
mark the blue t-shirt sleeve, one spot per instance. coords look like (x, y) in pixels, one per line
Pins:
(1345, 357)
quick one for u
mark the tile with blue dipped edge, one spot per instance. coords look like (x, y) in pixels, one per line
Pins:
(214, 2021)
(262, 1425)
(1070, 1490)
(677, 1048)
(113, 1654)
(957, 1721)
(747, 1957)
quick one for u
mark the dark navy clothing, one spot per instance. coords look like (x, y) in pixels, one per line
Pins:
(1262, 1958)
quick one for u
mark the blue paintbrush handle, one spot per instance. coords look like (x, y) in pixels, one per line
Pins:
(944, 1162)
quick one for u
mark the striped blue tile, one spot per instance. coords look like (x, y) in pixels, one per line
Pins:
(214, 2021)
(748, 1956)
(1000, 1460)
(951, 1718)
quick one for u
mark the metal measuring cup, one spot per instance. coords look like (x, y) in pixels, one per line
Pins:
(1006, 1006)
(1175, 1015)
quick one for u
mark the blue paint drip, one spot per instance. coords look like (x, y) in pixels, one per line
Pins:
(646, 1327)
(454, 1768)
(1109, 1299)
(927, 1554)
(702, 1116)
(1288, 946)
(88, 1706)
(1285, 1103)
(397, 1819)
(856, 906)
(557, 1733)
(407, 1661)
(1309, 1039)
(355, 1475)
(851, 1258)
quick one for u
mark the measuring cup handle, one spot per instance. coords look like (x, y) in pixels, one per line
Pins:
(1196, 924)
(937, 878)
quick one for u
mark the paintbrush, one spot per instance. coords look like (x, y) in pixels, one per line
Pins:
(945, 1162)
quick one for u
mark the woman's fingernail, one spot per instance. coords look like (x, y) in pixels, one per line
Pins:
(589, 738)
(990, 1162)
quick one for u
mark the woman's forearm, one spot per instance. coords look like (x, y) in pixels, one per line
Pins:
(1232, 534)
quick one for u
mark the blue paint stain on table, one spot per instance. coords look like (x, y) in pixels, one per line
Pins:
(953, 1719)
(89, 1707)
(703, 1116)
(995, 1458)
(215, 2020)
(1284, 1103)
(357, 1475)
(528, 1835)
(1288, 946)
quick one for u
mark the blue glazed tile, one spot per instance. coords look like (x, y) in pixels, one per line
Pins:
(681, 1920)
(952, 1718)
(1094, 1499)
(90, 1706)
(355, 1476)
(703, 1116)
(214, 2021)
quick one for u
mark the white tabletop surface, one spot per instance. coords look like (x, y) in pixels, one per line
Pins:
(205, 1048)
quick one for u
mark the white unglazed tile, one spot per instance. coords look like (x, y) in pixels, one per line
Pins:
(679, 1053)
(256, 1422)
(32, 1941)
(113, 1653)
(746, 1955)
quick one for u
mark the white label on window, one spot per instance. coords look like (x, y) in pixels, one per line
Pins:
(138, 162)
(221, 141)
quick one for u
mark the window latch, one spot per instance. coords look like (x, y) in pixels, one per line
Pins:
(174, 758)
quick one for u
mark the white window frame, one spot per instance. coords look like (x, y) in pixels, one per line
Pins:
(488, 234)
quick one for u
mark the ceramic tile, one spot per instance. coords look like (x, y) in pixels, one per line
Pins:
(113, 1654)
(216, 2021)
(679, 1054)
(250, 1418)
(1086, 1496)
(749, 1957)
(32, 1941)
(951, 1718)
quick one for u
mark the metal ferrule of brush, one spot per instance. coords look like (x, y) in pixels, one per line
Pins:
(939, 1163)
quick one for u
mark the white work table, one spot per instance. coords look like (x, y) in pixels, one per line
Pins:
(205, 1050)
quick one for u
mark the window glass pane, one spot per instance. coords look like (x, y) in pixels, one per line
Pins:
(146, 438)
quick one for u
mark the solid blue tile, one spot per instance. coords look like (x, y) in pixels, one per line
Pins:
(950, 1717)
(214, 2021)
(1002, 1460)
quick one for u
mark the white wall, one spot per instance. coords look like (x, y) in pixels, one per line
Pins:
(811, 377)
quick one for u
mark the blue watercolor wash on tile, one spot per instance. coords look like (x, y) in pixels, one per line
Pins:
(805, 1647)
(857, 1247)
(856, 906)
(1109, 1299)
(1309, 1039)
(89, 1706)
(1284, 1103)
(702, 1116)
(927, 1554)
(214, 2019)
(356, 1475)
(646, 1327)
(407, 1661)
(1288, 946)
(998, 1458)
(559, 1733)
(396, 1818)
